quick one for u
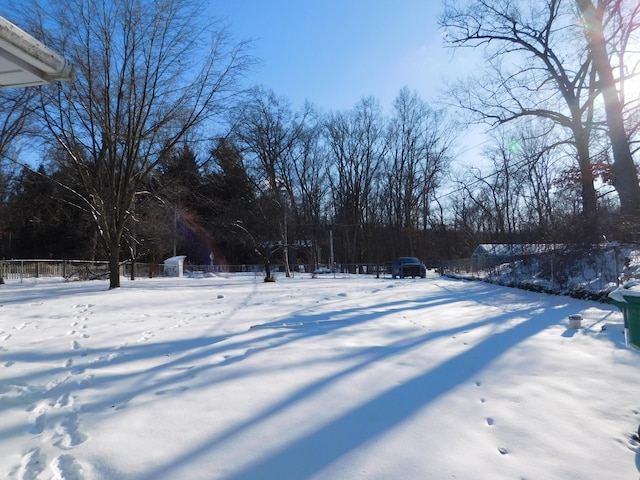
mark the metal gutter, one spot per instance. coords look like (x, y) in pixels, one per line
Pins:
(24, 61)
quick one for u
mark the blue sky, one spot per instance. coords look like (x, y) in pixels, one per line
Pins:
(334, 52)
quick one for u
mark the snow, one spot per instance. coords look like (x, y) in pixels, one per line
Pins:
(352, 377)
(626, 293)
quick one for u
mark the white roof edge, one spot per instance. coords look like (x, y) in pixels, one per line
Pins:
(24, 47)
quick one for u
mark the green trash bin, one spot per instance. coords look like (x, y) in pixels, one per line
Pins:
(628, 301)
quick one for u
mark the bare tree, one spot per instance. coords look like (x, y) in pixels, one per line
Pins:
(15, 118)
(358, 146)
(498, 194)
(536, 147)
(538, 66)
(311, 186)
(269, 129)
(419, 143)
(148, 72)
(543, 63)
(595, 18)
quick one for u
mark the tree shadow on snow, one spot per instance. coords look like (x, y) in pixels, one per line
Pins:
(375, 417)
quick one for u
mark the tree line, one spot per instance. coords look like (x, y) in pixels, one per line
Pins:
(158, 148)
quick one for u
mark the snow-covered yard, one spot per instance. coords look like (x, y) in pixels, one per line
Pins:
(326, 378)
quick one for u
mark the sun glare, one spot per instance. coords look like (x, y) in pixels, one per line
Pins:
(631, 84)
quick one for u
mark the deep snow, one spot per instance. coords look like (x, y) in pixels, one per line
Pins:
(326, 378)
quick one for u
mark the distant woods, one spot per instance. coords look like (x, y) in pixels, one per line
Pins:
(157, 147)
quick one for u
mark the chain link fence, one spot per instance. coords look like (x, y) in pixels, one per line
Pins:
(92, 270)
(584, 272)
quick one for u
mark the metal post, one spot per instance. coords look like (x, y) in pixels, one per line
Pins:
(331, 260)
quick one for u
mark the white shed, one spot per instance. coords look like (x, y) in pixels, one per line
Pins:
(174, 266)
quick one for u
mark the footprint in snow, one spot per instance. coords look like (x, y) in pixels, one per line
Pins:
(31, 465)
(145, 336)
(67, 467)
(86, 381)
(63, 401)
(67, 432)
(38, 419)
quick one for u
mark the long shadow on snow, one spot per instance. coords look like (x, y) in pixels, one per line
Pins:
(321, 448)
(324, 446)
(45, 291)
(181, 353)
(186, 352)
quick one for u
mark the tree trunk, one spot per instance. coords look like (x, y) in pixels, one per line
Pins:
(588, 193)
(267, 271)
(591, 226)
(625, 171)
(133, 268)
(114, 265)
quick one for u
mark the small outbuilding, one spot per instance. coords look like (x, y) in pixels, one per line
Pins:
(174, 266)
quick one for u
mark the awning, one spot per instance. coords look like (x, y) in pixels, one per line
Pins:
(24, 61)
